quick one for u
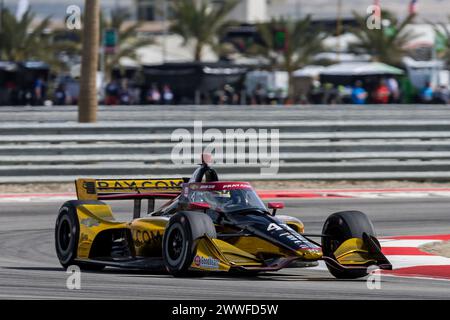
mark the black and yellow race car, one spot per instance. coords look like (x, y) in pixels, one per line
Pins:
(204, 225)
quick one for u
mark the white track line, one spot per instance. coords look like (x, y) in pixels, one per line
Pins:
(410, 243)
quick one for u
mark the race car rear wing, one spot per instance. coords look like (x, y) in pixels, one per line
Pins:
(118, 189)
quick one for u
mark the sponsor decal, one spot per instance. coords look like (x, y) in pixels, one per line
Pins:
(207, 186)
(185, 190)
(236, 186)
(89, 187)
(90, 222)
(138, 184)
(144, 237)
(208, 263)
(219, 186)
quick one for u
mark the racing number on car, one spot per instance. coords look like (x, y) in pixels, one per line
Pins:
(274, 226)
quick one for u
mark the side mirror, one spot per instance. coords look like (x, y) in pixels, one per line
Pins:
(275, 206)
(198, 206)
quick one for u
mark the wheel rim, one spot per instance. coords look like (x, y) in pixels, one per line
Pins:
(64, 235)
(176, 245)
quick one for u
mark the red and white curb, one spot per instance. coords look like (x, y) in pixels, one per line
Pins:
(36, 197)
(270, 194)
(357, 193)
(409, 261)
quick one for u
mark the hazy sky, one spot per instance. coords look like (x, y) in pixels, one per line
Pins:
(428, 9)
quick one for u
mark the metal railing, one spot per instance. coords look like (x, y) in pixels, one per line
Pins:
(33, 150)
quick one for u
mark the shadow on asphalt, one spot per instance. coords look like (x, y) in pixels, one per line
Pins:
(201, 276)
(35, 268)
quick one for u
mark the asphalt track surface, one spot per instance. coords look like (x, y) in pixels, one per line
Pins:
(29, 268)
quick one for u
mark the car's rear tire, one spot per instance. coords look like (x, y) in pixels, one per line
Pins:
(180, 240)
(341, 226)
(67, 233)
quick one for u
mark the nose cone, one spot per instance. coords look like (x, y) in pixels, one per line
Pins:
(310, 253)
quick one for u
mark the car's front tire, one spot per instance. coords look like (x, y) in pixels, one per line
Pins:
(67, 233)
(341, 226)
(180, 240)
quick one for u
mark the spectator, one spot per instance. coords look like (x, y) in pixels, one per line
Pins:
(329, 94)
(61, 95)
(153, 95)
(279, 96)
(381, 93)
(230, 96)
(135, 95)
(112, 93)
(39, 91)
(125, 93)
(259, 95)
(344, 94)
(167, 94)
(427, 93)
(359, 94)
(11, 92)
(442, 95)
(219, 96)
(315, 92)
(407, 91)
(26, 95)
(394, 90)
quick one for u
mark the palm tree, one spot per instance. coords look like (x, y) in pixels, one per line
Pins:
(386, 44)
(127, 44)
(20, 41)
(442, 32)
(87, 105)
(200, 22)
(299, 43)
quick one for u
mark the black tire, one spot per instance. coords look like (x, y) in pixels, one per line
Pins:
(67, 233)
(180, 240)
(341, 226)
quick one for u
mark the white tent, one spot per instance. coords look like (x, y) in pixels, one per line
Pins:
(309, 71)
(342, 57)
(361, 69)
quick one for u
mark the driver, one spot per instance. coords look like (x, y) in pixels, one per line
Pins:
(237, 199)
(215, 198)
